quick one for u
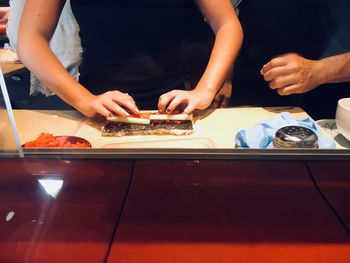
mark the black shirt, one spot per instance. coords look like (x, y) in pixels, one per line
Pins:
(141, 47)
(312, 28)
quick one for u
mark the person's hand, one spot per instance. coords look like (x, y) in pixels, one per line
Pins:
(109, 103)
(184, 101)
(291, 73)
(223, 97)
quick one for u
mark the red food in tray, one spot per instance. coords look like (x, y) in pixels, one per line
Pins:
(47, 140)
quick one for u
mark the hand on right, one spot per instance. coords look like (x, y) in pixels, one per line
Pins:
(110, 102)
(291, 74)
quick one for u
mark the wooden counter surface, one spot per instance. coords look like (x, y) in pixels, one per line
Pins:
(9, 68)
(213, 128)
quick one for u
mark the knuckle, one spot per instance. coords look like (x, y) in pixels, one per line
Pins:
(276, 61)
(171, 93)
(163, 97)
(294, 65)
(292, 56)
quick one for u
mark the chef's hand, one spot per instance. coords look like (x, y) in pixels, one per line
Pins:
(290, 74)
(111, 102)
(184, 101)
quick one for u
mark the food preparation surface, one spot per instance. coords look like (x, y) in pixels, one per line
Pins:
(212, 128)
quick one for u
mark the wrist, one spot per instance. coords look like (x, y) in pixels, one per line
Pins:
(83, 102)
(206, 90)
(320, 72)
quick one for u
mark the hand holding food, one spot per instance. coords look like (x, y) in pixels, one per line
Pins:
(291, 73)
(108, 103)
(184, 101)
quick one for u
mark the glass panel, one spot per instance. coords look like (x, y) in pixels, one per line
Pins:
(136, 60)
(8, 142)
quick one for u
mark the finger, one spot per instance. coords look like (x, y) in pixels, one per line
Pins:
(116, 109)
(284, 81)
(276, 62)
(189, 109)
(174, 104)
(277, 72)
(292, 89)
(119, 96)
(262, 71)
(130, 106)
(164, 101)
(100, 109)
(126, 101)
(130, 98)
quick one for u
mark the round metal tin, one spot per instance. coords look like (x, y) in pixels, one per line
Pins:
(295, 137)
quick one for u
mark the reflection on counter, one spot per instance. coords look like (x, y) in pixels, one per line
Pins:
(52, 187)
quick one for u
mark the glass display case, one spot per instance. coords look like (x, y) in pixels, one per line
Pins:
(180, 57)
(236, 132)
(236, 187)
(217, 133)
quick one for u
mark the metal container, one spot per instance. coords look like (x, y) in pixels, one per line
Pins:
(295, 137)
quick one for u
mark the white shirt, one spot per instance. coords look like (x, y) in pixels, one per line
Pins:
(65, 42)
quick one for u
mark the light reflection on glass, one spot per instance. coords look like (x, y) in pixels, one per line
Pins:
(51, 186)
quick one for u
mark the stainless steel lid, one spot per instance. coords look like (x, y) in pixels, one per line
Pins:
(295, 137)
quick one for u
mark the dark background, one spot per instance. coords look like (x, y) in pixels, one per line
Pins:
(149, 47)
(312, 28)
(144, 48)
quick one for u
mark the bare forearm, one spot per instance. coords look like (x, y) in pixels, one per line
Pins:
(37, 56)
(335, 69)
(226, 47)
(38, 23)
